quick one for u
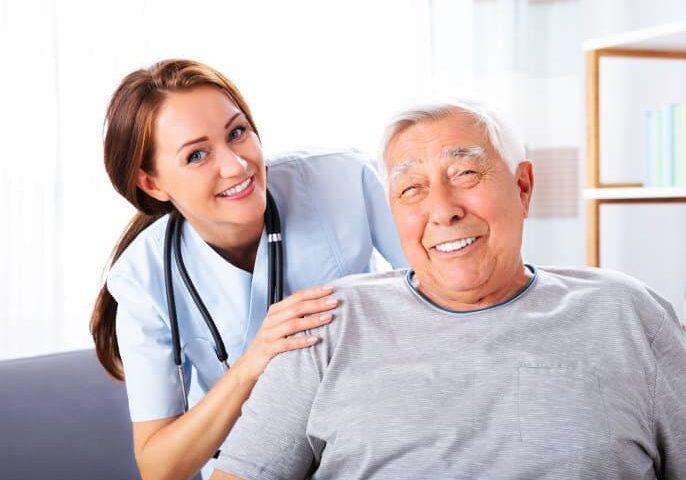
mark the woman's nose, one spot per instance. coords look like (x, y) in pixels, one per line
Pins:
(231, 164)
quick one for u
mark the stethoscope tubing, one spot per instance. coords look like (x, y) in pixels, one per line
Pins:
(172, 243)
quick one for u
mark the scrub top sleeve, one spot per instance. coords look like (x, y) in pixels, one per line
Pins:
(144, 339)
(669, 421)
(269, 440)
(381, 225)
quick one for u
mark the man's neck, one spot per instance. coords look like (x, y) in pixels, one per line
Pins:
(482, 297)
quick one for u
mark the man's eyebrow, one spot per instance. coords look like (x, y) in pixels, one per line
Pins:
(203, 139)
(401, 168)
(468, 151)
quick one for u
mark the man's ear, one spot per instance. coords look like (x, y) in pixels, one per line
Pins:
(524, 176)
(148, 184)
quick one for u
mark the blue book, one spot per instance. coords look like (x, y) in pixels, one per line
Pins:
(679, 121)
(656, 152)
(647, 150)
(667, 150)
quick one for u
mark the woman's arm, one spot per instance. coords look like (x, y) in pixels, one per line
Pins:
(178, 447)
(219, 475)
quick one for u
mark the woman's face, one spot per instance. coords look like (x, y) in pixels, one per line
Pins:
(208, 162)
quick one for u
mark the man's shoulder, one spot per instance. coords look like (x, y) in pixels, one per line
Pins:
(611, 293)
(592, 277)
(362, 298)
(369, 283)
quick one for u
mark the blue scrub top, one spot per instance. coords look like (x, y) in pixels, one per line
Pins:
(333, 212)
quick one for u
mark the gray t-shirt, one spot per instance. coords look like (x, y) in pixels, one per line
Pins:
(581, 375)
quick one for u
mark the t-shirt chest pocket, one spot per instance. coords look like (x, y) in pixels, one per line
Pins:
(561, 406)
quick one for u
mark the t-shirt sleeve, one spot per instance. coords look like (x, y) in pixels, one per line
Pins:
(381, 225)
(669, 347)
(144, 338)
(269, 441)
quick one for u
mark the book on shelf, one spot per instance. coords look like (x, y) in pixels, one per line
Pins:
(647, 145)
(664, 146)
(666, 151)
(679, 119)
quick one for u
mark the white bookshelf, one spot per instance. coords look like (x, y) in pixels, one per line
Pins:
(666, 41)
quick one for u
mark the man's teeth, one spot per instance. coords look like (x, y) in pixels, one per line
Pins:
(454, 246)
(229, 192)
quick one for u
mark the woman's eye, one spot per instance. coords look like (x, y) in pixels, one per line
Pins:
(196, 156)
(236, 133)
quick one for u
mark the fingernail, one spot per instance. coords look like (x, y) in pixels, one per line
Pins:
(327, 288)
(331, 301)
(325, 316)
(312, 340)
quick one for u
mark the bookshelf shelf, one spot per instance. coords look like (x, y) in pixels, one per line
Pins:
(637, 193)
(659, 42)
(663, 38)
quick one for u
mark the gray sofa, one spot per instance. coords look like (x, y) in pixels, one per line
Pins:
(62, 417)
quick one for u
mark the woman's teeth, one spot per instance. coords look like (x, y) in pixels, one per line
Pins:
(454, 246)
(230, 192)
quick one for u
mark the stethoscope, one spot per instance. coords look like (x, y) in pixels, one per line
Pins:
(172, 237)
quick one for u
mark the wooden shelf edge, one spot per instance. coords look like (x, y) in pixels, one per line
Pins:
(636, 194)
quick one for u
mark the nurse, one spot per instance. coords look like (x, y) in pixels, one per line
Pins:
(180, 139)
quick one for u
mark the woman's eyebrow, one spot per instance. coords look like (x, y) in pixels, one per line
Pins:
(191, 142)
(236, 115)
(204, 138)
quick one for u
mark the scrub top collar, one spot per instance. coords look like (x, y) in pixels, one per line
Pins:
(250, 284)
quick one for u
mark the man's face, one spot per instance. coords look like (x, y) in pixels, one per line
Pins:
(459, 211)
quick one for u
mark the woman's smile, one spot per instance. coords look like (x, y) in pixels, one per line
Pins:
(239, 191)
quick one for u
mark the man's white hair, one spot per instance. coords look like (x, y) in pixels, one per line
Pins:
(500, 135)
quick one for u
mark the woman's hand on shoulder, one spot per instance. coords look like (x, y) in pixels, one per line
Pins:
(304, 310)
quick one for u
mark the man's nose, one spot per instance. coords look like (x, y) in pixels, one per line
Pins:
(444, 205)
(231, 164)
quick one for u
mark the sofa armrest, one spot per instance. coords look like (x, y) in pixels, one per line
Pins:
(62, 417)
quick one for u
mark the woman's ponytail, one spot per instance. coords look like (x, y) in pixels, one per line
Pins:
(103, 318)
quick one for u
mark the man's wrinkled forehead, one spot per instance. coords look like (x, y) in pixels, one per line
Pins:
(448, 155)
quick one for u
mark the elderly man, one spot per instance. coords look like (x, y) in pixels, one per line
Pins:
(472, 364)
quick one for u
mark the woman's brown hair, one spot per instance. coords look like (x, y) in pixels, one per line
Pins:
(128, 147)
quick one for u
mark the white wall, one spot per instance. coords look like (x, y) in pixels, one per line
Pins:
(601, 18)
(528, 60)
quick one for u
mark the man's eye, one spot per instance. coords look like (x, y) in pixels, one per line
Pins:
(409, 191)
(196, 156)
(236, 133)
(464, 177)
